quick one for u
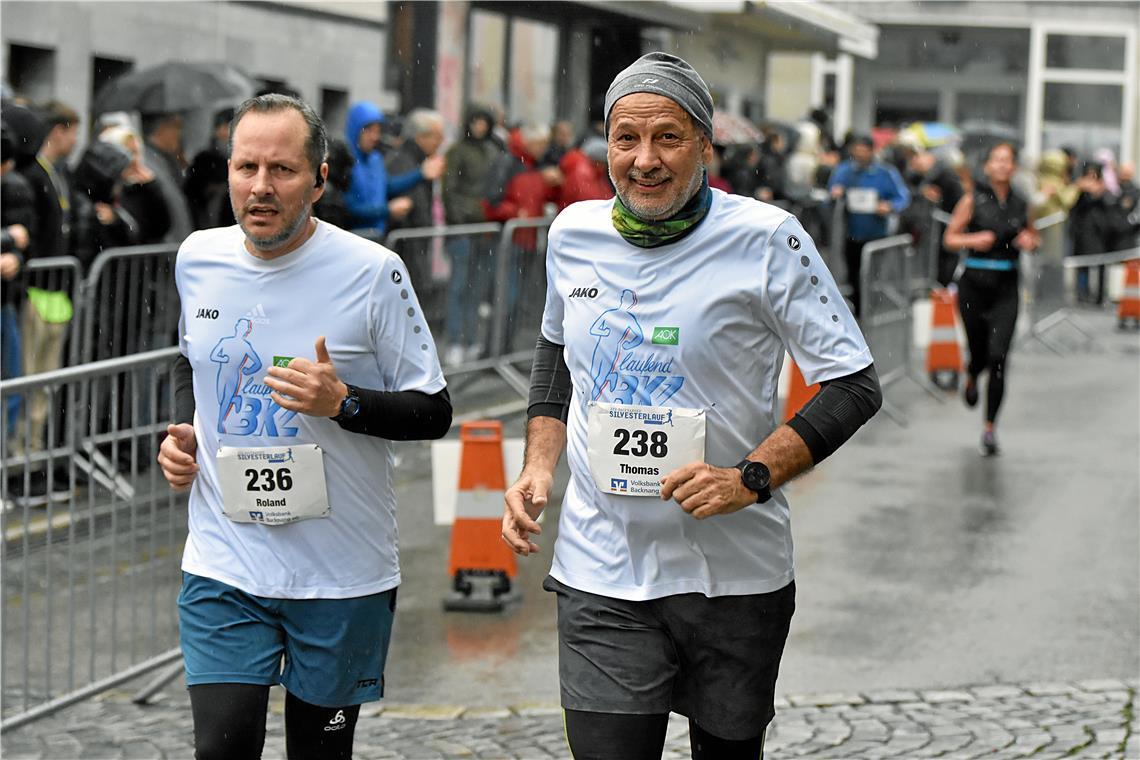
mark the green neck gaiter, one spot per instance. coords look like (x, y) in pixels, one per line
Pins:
(645, 234)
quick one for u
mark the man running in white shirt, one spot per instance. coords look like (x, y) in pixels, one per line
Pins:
(681, 602)
(290, 568)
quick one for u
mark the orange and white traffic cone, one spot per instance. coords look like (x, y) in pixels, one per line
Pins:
(1128, 310)
(944, 356)
(481, 566)
(799, 392)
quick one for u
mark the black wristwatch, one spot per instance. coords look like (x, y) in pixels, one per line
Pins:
(349, 405)
(756, 477)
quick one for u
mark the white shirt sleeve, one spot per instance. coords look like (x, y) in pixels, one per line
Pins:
(405, 351)
(555, 310)
(807, 311)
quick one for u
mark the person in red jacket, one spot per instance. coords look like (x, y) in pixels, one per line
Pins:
(520, 189)
(584, 174)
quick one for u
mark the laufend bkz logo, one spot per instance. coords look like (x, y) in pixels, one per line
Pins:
(666, 336)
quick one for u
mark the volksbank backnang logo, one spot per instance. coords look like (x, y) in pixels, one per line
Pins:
(666, 336)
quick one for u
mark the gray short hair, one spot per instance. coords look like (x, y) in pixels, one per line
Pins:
(316, 144)
(423, 120)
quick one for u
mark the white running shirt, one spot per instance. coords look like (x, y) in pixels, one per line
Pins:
(240, 314)
(702, 323)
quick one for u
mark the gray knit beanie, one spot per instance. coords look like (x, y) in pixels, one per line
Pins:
(668, 75)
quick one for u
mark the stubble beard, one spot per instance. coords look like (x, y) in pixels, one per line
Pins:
(272, 242)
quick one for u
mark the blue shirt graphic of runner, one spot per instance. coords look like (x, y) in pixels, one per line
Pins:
(236, 359)
(617, 331)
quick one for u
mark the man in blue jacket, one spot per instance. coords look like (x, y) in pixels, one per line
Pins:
(371, 187)
(872, 191)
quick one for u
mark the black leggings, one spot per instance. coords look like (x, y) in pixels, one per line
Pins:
(229, 724)
(610, 736)
(988, 302)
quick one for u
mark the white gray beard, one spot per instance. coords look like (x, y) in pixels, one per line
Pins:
(646, 215)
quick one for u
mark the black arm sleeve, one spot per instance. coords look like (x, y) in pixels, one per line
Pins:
(840, 408)
(401, 415)
(183, 391)
(396, 415)
(550, 386)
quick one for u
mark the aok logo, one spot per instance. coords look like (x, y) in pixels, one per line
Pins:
(584, 293)
(666, 336)
(204, 313)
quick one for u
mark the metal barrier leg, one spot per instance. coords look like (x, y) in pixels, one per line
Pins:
(1057, 318)
(156, 684)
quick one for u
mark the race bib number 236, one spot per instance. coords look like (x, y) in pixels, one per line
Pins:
(273, 485)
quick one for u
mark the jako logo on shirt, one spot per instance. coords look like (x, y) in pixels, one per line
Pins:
(666, 336)
(584, 293)
(205, 313)
(257, 315)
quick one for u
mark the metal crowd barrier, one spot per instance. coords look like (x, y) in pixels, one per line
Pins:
(423, 249)
(887, 316)
(130, 302)
(88, 565)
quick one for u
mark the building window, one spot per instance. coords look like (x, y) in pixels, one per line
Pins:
(31, 71)
(1096, 53)
(1086, 116)
(104, 71)
(487, 58)
(334, 109)
(896, 108)
(995, 107)
(533, 66)
(1082, 89)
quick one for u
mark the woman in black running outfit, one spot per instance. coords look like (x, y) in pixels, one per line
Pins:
(993, 224)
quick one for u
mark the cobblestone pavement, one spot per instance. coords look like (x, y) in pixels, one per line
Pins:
(1086, 719)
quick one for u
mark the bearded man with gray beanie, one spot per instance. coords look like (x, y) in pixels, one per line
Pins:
(669, 310)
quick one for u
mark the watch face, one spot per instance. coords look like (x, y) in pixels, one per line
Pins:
(756, 476)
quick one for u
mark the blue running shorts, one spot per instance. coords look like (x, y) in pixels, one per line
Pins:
(334, 649)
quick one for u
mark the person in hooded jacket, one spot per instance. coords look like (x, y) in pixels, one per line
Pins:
(472, 257)
(371, 188)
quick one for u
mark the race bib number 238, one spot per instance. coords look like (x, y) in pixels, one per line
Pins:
(632, 447)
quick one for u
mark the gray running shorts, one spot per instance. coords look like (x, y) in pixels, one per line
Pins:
(712, 659)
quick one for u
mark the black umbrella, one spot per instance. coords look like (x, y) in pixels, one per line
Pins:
(174, 86)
